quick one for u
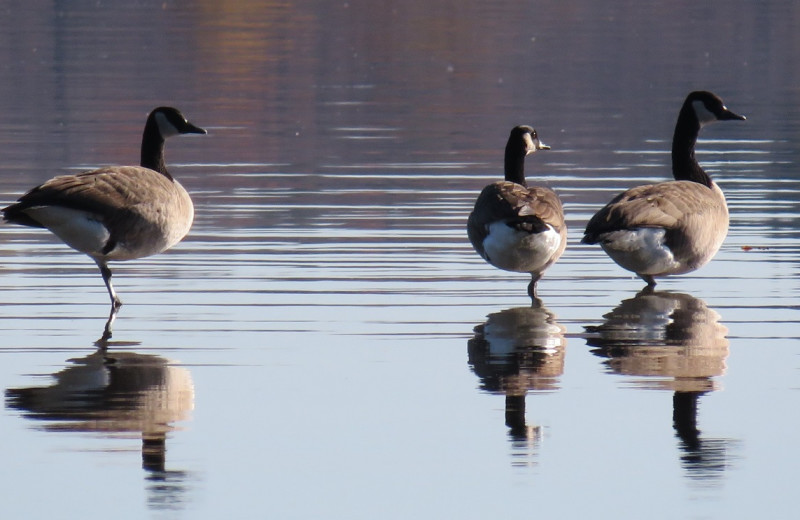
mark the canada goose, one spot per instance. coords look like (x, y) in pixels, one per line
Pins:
(116, 213)
(672, 227)
(515, 227)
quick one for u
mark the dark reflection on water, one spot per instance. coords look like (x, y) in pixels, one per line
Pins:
(119, 393)
(677, 343)
(516, 351)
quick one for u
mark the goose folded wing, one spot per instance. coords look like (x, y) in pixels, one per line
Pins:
(507, 200)
(101, 191)
(665, 205)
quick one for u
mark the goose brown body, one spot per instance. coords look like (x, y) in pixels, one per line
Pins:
(529, 211)
(142, 211)
(690, 219)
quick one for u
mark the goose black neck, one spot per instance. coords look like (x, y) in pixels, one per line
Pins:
(515, 163)
(684, 164)
(153, 149)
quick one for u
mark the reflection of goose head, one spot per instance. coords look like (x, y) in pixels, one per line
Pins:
(514, 351)
(667, 335)
(123, 393)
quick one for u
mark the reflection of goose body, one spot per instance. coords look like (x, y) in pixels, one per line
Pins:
(116, 213)
(517, 350)
(129, 393)
(514, 351)
(671, 227)
(677, 342)
(515, 227)
(671, 336)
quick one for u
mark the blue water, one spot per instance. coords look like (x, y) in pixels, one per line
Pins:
(325, 343)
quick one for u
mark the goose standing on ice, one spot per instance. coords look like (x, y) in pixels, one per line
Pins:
(119, 212)
(672, 227)
(515, 227)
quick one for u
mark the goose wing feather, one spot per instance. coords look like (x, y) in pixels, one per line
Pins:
(99, 190)
(667, 205)
(529, 208)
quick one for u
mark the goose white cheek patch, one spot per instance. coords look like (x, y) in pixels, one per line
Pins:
(704, 115)
(165, 127)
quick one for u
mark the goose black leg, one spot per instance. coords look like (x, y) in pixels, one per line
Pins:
(532, 286)
(106, 272)
(651, 282)
(116, 303)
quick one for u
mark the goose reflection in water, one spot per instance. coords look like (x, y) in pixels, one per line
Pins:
(515, 351)
(123, 393)
(677, 343)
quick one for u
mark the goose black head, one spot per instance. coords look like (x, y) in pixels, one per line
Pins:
(170, 122)
(708, 107)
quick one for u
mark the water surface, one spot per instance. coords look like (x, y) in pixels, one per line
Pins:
(325, 343)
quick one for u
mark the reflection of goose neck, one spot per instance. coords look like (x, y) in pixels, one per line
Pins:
(515, 416)
(703, 458)
(154, 452)
(684, 418)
